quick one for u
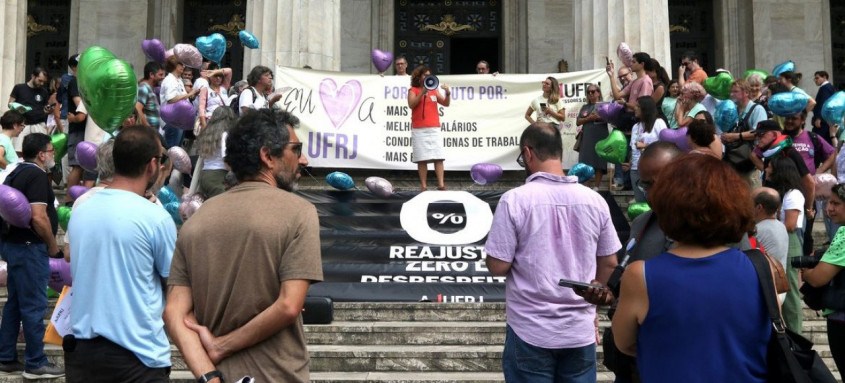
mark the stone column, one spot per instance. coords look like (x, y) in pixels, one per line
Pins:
(600, 25)
(294, 33)
(164, 21)
(118, 26)
(12, 47)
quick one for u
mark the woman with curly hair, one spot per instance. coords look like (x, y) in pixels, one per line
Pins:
(425, 121)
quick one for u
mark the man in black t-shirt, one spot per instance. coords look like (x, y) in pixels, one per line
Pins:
(26, 250)
(33, 94)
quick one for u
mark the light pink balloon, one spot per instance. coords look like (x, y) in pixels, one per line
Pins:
(379, 186)
(188, 55)
(824, 184)
(168, 53)
(626, 55)
(189, 206)
(181, 160)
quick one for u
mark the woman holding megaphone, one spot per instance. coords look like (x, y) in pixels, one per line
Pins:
(423, 99)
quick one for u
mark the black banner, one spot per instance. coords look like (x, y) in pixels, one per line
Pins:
(411, 247)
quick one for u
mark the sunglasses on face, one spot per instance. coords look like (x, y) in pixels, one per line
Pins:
(296, 148)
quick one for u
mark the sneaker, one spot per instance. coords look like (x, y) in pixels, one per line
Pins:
(11, 368)
(47, 371)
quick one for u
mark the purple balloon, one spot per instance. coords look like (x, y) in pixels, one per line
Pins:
(59, 274)
(86, 154)
(154, 50)
(379, 186)
(180, 159)
(188, 55)
(179, 114)
(76, 191)
(14, 207)
(485, 174)
(609, 111)
(677, 137)
(381, 59)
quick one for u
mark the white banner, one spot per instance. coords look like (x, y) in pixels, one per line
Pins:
(363, 121)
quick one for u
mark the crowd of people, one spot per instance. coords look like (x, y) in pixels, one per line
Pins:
(689, 296)
(122, 246)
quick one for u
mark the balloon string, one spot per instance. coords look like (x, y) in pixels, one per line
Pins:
(309, 173)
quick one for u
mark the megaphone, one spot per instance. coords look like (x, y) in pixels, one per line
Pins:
(431, 82)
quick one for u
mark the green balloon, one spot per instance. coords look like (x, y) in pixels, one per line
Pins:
(52, 294)
(64, 216)
(763, 74)
(59, 141)
(108, 87)
(614, 148)
(719, 86)
(636, 209)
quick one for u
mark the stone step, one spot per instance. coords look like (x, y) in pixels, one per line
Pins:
(406, 333)
(427, 312)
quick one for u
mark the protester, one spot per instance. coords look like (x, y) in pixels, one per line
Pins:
(32, 94)
(61, 94)
(791, 80)
(482, 67)
(54, 122)
(147, 105)
(77, 117)
(770, 232)
(211, 146)
(679, 324)
(26, 251)
(642, 86)
(548, 107)
(826, 90)
(755, 83)
(782, 175)
(689, 103)
(260, 80)
(213, 91)
(401, 66)
(539, 236)
(13, 124)
(659, 79)
(236, 293)
(827, 271)
(425, 121)
(701, 136)
(644, 133)
(122, 246)
(593, 130)
(690, 70)
(172, 91)
(667, 107)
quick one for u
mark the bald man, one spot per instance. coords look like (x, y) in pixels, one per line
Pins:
(771, 233)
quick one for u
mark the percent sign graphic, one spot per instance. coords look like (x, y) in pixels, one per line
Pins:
(451, 217)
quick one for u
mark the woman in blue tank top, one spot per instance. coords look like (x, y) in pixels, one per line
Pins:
(696, 313)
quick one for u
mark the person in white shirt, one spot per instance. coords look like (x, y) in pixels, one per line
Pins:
(260, 81)
(173, 91)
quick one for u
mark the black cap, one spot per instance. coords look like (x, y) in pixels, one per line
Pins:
(73, 61)
(768, 126)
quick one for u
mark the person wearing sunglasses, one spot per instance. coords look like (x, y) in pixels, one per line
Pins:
(122, 247)
(243, 285)
(690, 69)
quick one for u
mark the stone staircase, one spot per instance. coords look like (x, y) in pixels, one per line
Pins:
(422, 342)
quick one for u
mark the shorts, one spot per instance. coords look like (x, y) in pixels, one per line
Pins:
(72, 140)
(427, 145)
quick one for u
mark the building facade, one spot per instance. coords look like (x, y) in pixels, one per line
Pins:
(514, 36)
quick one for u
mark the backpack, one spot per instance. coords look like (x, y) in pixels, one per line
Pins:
(818, 150)
(235, 103)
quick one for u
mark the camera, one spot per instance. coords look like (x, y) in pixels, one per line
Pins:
(808, 262)
(431, 82)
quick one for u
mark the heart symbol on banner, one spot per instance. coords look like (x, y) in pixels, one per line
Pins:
(339, 103)
(614, 148)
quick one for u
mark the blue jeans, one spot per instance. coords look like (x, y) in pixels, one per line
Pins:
(639, 196)
(524, 363)
(172, 136)
(28, 272)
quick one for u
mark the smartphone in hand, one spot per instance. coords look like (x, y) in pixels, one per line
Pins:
(577, 286)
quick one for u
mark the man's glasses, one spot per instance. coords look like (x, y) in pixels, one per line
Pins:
(623, 76)
(520, 160)
(296, 148)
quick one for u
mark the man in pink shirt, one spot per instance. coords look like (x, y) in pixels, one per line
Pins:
(549, 229)
(642, 86)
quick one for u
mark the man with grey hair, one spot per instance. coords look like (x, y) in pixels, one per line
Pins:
(236, 293)
(771, 233)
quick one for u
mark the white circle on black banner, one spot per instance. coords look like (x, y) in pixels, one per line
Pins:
(413, 217)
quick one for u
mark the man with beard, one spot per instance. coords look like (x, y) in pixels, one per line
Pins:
(147, 106)
(122, 246)
(236, 292)
(25, 249)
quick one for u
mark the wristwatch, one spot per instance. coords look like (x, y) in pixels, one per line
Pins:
(208, 376)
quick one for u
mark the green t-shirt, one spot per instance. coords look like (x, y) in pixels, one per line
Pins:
(10, 155)
(835, 254)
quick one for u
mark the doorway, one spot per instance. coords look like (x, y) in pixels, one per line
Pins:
(47, 36)
(466, 52)
(226, 17)
(691, 29)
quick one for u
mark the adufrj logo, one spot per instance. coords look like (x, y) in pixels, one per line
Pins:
(446, 218)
